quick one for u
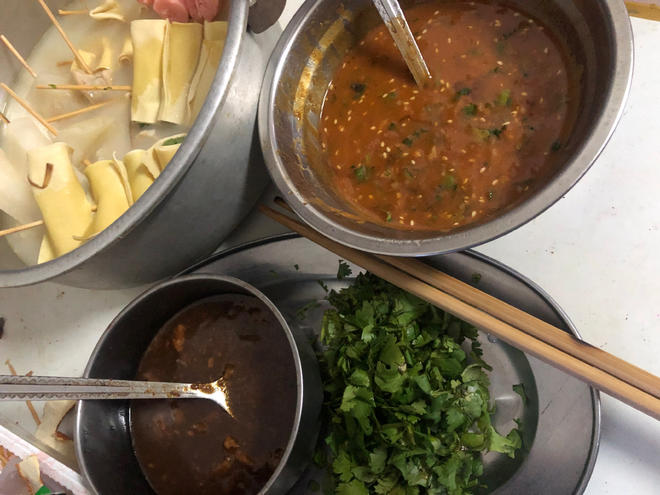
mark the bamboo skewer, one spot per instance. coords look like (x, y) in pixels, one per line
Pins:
(80, 111)
(4, 118)
(608, 383)
(29, 109)
(72, 12)
(67, 40)
(84, 87)
(18, 56)
(21, 228)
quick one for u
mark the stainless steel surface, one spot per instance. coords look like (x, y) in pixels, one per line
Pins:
(203, 194)
(392, 14)
(102, 432)
(561, 422)
(264, 13)
(311, 50)
(64, 388)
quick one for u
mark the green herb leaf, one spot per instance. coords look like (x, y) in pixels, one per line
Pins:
(407, 141)
(520, 390)
(470, 109)
(344, 270)
(359, 89)
(504, 98)
(463, 91)
(476, 278)
(556, 146)
(173, 141)
(361, 173)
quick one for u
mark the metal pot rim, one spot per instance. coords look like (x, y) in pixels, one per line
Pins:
(182, 161)
(295, 354)
(543, 199)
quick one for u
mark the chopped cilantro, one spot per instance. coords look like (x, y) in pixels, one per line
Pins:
(463, 91)
(470, 109)
(297, 266)
(359, 89)
(361, 173)
(407, 141)
(143, 125)
(53, 86)
(344, 270)
(450, 182)
(497, 132)
(491, 195)
(408, 173)
(476, 277)
(504, 98)
(520, 390)
(392, 126)
(388, 216)
(323, 286)
(556, 146)
(173, 141)
(406, 394)
(391, 95)
(497, 69)
(301, 314)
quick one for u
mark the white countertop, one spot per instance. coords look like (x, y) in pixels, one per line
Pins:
(596, 252)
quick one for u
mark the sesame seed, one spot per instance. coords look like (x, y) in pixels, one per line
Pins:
(384, 155)
(545, 50)
(412, 222)
(373, 128)
(499, 62)
(494, 183)
(450, 121)
(371, 196)
(445, 158)
(325, 129)
(474, 213)
(398, 195)
(338, 167)
(341, 128)
(482, 170)
(437, 51)
(449, 41)
(424, 31)
(382, 144)
(524, 93)
(437, 12)
(391, 81)
(413, 162)
(388, 149)
(456, 224)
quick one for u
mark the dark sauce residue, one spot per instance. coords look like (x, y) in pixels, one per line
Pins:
(193, 446)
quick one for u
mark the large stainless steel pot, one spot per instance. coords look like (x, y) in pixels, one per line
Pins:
(203, 194)
(312, 48)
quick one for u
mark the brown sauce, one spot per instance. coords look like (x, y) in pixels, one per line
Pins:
(193, 446)
(486, 132)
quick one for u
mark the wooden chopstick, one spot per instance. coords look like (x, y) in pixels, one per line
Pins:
(608, 383)
(549, 334)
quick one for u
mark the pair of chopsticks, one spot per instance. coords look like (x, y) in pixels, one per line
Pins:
(614, 376)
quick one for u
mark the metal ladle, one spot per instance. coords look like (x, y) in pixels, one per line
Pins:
(40, 388)
(396, 23)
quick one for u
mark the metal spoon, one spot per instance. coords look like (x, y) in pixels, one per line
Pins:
(396, 23)
(60, 388)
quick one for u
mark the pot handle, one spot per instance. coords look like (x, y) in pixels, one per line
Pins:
(264, 13)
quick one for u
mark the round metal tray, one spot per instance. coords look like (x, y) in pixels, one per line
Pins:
(561, 417)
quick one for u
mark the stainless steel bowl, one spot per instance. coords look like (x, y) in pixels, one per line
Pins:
(102, 431)
(203, 194)
(311, 49)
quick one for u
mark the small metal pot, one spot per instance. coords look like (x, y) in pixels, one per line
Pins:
(102, 431)
(202, 195)
(311, 50)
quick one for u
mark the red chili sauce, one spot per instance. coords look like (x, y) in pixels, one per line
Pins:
(193, 446)
(482, 135)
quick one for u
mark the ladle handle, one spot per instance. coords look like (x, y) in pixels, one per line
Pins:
(61, 388)
(396, 23)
